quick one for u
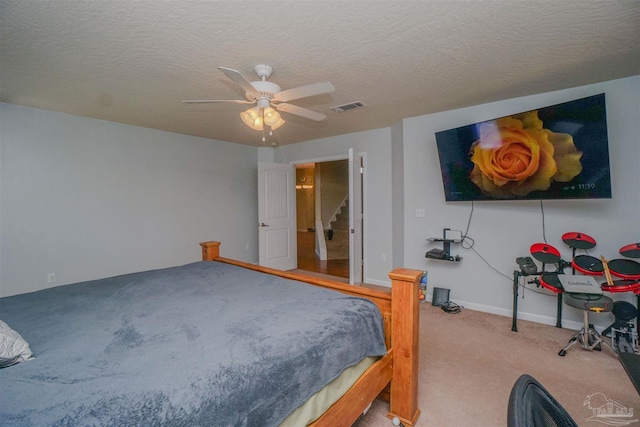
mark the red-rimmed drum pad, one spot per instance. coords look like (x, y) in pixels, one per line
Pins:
(586, 264)
(578, 240)
(550, 281)
(622, 286)
(632, 250)
(545, 253)
(625, 268)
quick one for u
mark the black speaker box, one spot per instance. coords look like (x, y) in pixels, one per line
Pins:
(440, 296)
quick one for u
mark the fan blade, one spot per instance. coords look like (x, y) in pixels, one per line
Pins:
(304, 91)
(211, 101)
(241, 81)
(300, 111)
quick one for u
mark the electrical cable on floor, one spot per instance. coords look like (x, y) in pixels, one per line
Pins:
(451, 307)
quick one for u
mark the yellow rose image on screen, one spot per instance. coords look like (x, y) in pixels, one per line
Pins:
(515, 155)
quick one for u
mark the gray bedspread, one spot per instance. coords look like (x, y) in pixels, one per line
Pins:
(205, 344)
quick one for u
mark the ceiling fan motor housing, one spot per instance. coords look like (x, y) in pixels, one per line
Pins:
(266, 89)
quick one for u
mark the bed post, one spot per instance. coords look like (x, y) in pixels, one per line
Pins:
(210, 250)
(405, 316)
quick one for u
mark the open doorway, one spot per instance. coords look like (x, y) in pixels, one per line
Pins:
(322, 206)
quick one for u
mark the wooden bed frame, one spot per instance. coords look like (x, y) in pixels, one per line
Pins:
(395, 376)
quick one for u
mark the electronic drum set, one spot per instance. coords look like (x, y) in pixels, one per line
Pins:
(620, 275)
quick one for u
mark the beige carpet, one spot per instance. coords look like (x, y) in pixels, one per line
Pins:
(469, 361)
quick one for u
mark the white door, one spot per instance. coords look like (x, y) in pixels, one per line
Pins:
(355, 218)
(277, 216)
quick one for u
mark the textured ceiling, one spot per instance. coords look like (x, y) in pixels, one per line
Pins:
(134, 61)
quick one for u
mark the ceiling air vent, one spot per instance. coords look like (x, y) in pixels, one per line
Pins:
(349, 106)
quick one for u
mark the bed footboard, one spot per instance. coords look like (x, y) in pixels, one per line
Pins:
(400, 311)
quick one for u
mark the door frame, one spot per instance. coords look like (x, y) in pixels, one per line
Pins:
(363, 194)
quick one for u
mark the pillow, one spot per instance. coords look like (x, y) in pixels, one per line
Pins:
(12, 344)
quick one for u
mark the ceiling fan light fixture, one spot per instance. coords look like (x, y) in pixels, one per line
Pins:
(271, 117)
(252, 118)
(257, 117)
(279, 123)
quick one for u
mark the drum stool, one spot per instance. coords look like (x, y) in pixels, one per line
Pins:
(588, 336)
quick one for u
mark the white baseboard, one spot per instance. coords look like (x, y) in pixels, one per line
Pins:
(522, 315)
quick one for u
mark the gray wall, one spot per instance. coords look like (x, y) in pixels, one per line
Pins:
(88, 199)
(403, 167)
(85, 198)
(505, 230)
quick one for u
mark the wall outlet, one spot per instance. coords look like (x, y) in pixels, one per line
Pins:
(51, 278)
(419, 213)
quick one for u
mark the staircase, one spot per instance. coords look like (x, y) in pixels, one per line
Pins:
(338, 246)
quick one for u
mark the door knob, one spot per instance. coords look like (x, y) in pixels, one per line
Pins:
(262, 224)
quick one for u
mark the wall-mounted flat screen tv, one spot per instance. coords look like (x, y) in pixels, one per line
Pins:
(555, 152)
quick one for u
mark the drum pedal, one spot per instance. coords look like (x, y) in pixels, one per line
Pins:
(527, 266)
(622, 332)
(623, 339)
(625, 347)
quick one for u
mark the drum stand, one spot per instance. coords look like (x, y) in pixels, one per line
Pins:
(516, 283)
(623, 337)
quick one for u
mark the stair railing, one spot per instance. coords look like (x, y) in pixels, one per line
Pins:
(321, 243)
(338, 211)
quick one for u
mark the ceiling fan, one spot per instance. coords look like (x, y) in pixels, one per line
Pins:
(268, 97)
